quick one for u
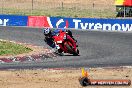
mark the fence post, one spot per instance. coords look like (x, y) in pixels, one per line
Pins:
(32, 7)
(124, 12)
(62, 5)
(2, 6)
(32, 4)
(93, 9)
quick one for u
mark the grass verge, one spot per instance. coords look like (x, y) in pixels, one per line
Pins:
(8, 48)
(59, 12)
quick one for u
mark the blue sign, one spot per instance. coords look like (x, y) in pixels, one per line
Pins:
(75, 23)
(91, 23)
(13, 20)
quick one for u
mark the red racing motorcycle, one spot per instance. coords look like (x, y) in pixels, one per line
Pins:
(66, 43)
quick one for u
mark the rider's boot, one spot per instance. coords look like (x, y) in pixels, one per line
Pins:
(75, 41)
(70, 34)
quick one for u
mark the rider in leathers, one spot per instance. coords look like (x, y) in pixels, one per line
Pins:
(49, 33)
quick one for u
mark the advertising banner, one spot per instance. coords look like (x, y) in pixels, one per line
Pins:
(60, 22)
(90, 23)
(13, 20)
(38, 21)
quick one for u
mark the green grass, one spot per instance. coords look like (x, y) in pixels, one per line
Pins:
(8, 48)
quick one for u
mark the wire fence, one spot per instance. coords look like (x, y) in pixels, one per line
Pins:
(68, 8)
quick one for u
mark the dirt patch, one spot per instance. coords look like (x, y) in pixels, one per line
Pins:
(59, 78)
(65, 8)
(55, 4)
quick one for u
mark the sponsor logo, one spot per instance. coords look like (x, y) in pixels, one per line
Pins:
(86, 81)
(3, 22)
(61, 22)
(98, 26)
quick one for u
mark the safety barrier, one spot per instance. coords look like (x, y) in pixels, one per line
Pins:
(62, 22)
(13, 20)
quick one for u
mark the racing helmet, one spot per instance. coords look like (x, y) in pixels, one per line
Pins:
(46, 31)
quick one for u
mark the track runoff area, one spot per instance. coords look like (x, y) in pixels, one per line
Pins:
(97, 48)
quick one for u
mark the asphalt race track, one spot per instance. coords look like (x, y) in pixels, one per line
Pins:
(97, 49)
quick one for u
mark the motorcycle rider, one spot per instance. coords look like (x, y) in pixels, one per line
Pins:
(49, 33)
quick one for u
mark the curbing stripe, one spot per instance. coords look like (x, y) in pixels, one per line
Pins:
(33, 57)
